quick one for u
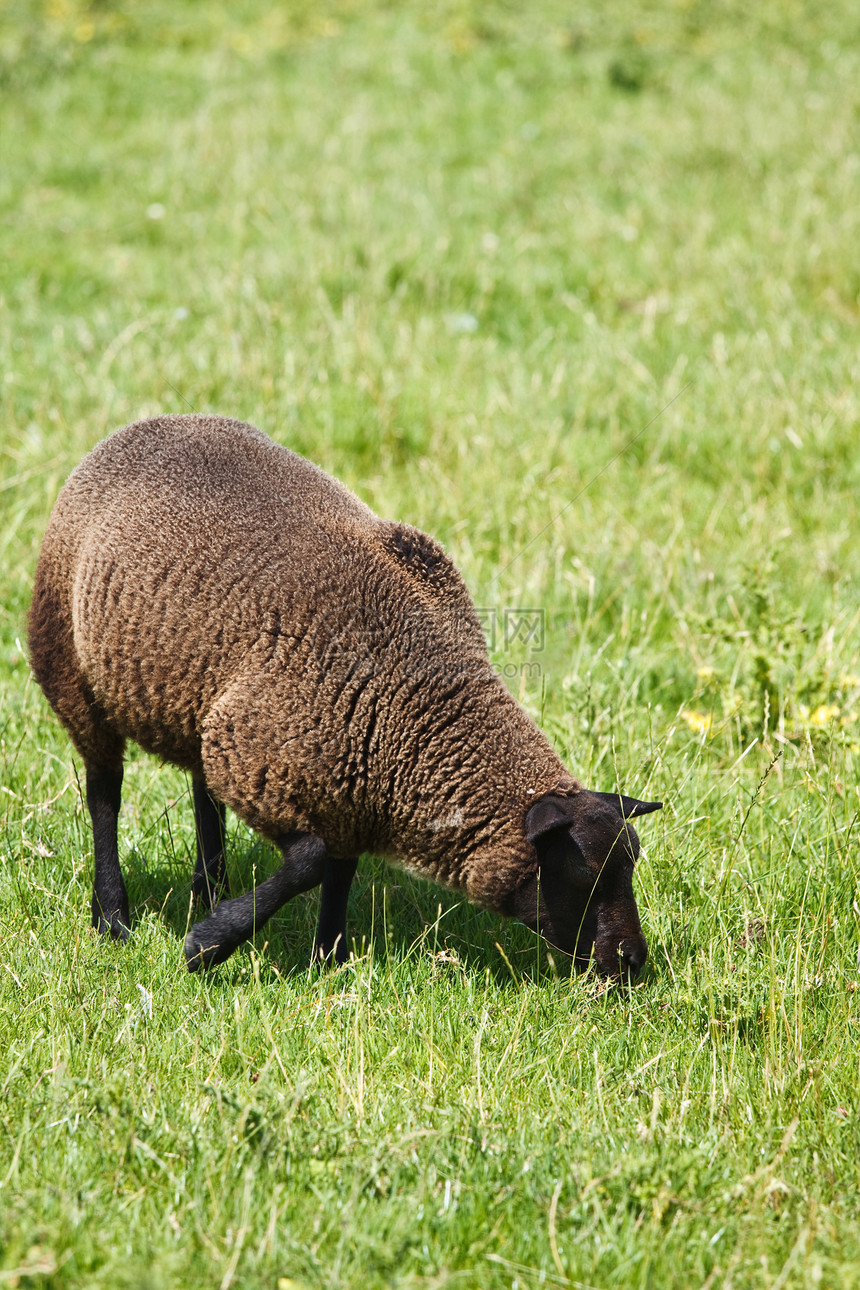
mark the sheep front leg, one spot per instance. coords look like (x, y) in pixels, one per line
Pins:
(215, 938)
(331, 932)
(210, 874)
(110, 898)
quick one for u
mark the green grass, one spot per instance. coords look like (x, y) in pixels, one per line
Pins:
(461, 255)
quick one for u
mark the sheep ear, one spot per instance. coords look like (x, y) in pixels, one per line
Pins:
(629, 806)
(549, 813)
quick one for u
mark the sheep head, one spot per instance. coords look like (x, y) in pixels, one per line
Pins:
(581, 898)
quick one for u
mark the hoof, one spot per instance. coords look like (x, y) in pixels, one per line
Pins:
(209, 892)
(331, 955)
(114, 927)
(204, 897)
(201, 952)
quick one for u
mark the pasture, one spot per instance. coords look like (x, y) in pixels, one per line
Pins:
(576, 289)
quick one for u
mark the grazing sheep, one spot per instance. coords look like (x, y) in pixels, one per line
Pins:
(225, 604)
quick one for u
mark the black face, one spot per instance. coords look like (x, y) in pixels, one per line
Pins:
(581, 899)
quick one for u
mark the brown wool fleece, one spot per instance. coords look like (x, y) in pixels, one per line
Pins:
(225, 604)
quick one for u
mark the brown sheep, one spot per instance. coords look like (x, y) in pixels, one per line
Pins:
(228, 606)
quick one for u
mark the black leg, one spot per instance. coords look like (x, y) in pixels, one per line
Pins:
(216, 937)
(110, 899)
(331, 932)
(210, 875)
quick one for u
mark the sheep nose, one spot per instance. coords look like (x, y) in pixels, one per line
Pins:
(632, 956)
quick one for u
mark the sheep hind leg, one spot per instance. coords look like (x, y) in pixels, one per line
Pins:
(210, 874)
(331, 931)
(215, 938)
(110, 899)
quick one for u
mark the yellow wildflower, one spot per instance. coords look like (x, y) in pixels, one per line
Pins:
(824, 714)
(699, 722)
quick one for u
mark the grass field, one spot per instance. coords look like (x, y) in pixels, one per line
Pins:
(577, 290)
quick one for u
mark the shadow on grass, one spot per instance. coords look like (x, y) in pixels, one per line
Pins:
(391, 915)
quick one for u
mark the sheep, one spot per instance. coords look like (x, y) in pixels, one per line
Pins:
(229, 607)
